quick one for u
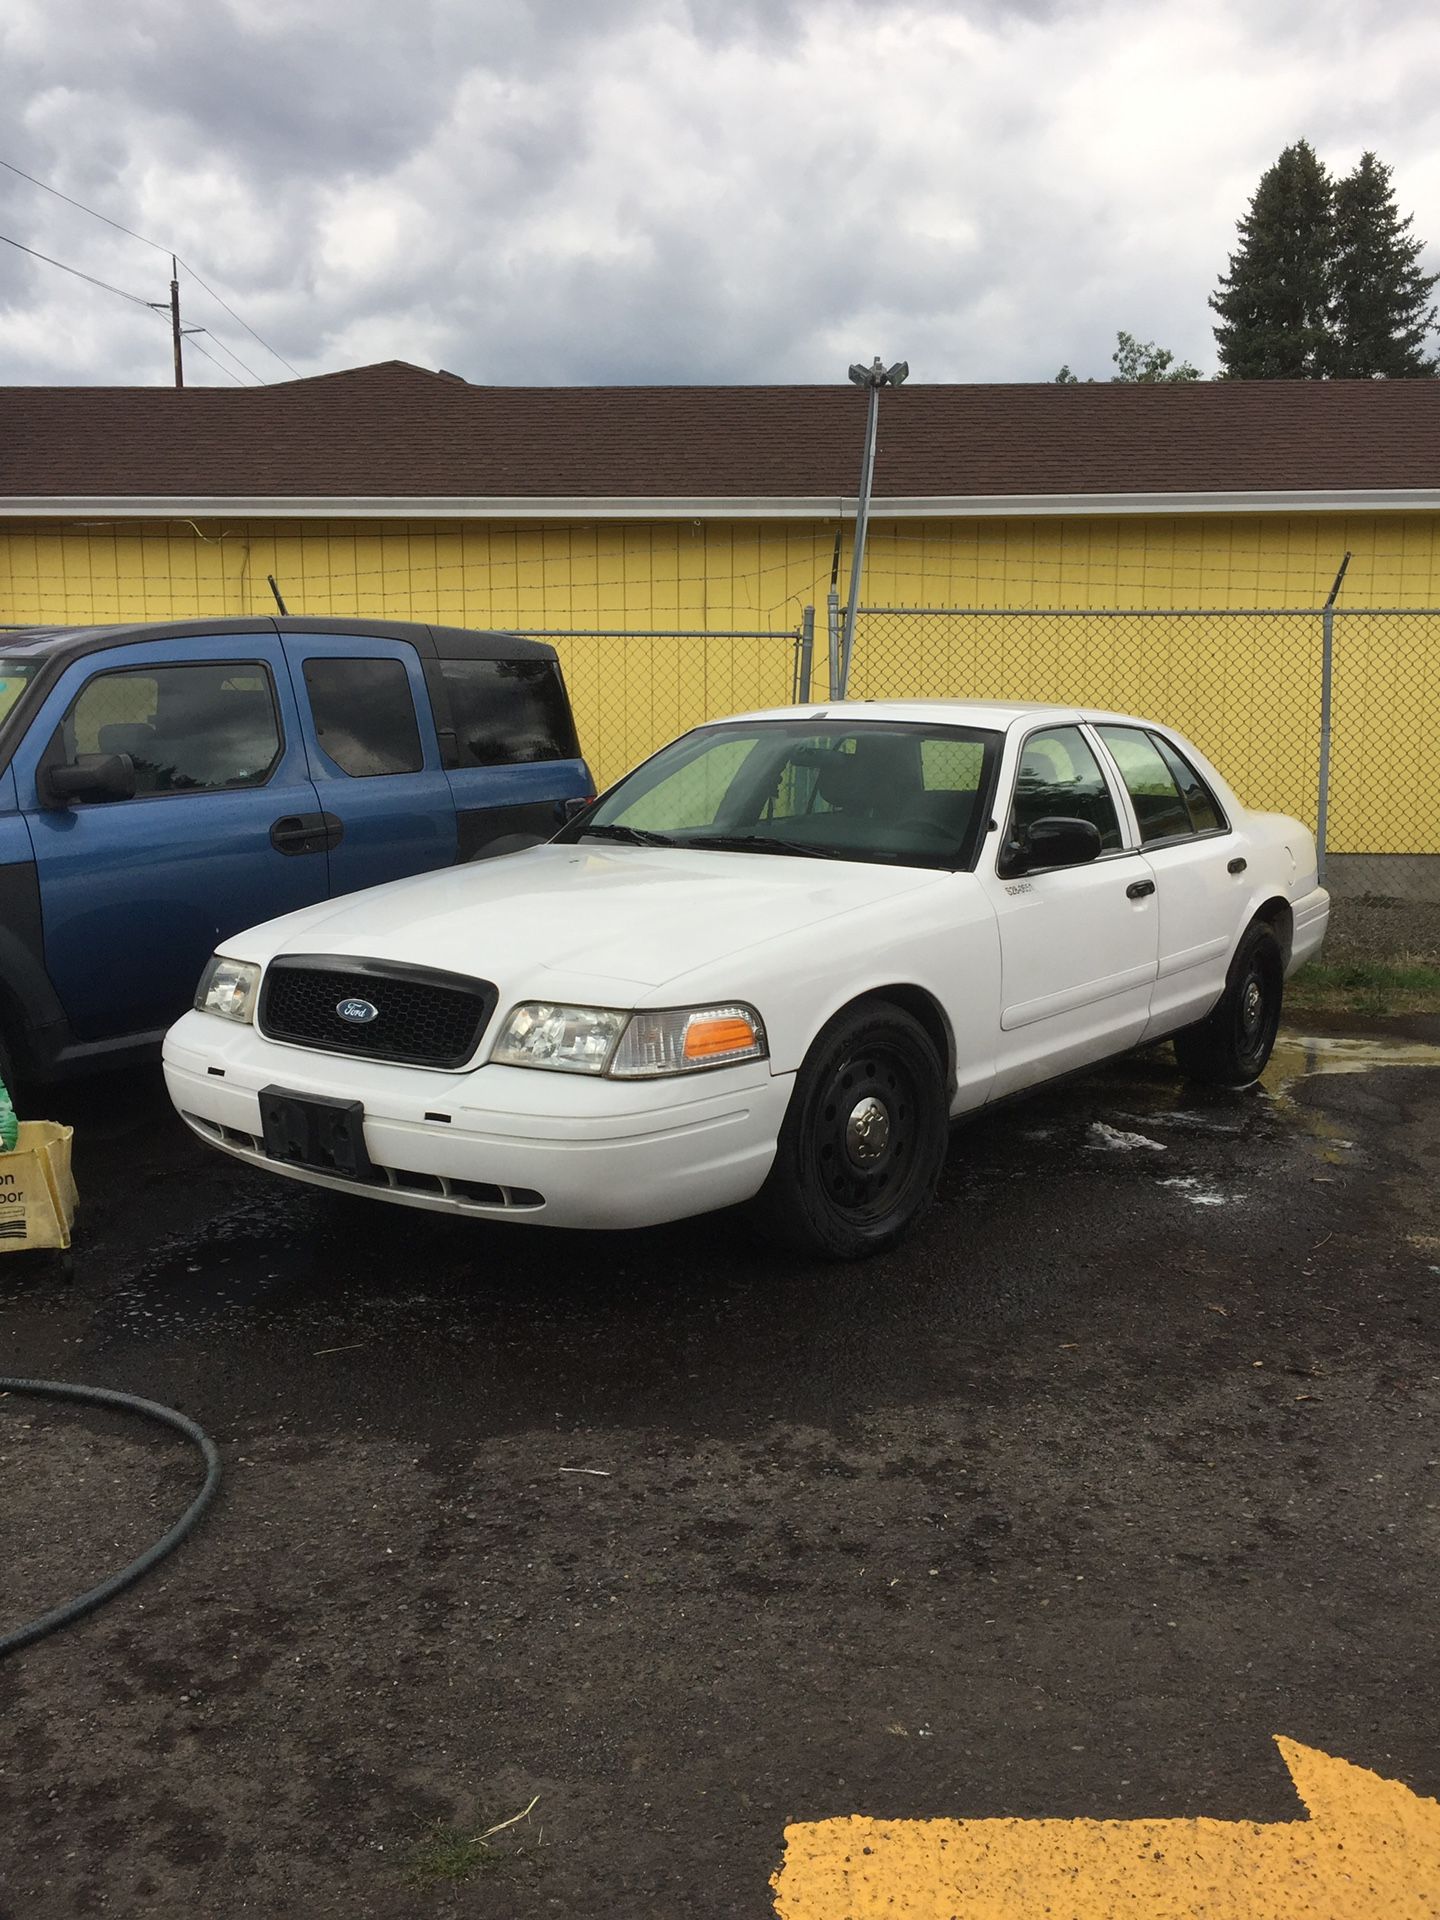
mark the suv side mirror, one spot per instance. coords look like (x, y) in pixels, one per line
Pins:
(573, 808)
(1055, 842)
(93, 776)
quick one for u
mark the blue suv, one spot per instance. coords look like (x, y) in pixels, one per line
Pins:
(162, 787)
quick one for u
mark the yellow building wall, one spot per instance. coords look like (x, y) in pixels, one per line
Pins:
(1246, 689)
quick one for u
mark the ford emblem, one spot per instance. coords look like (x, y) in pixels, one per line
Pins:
(359, 1013)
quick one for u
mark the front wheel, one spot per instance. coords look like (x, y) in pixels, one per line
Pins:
(1231, 1046)
(864, 1138)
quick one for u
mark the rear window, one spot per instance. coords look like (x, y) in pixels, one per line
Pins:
(13, 675)
(364, 715)
(506, 712)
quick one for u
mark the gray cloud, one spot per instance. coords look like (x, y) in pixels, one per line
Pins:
(637, 190)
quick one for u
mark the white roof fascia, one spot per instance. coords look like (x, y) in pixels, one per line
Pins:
(723, 507)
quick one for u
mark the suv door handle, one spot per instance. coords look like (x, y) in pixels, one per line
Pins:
(1138, 889)
(306, 833)
(1237, 865)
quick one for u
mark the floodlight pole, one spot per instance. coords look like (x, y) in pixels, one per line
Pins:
(873, 377)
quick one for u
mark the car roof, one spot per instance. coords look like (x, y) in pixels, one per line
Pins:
(997, 715)
(448, 643)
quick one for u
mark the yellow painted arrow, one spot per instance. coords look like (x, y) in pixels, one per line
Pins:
(1369, 1851)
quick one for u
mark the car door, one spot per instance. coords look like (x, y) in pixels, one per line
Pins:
(1078, 944)
(373, 755)
(137, 893)
(1191, 850)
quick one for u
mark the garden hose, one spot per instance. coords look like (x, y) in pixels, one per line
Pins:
(127, 1403)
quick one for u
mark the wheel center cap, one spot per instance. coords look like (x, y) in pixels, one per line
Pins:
(1252, 1003)
(867, 1131)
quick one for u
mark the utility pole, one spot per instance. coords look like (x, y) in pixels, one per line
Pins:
(872, 377)
(175, 321)
(177, 332)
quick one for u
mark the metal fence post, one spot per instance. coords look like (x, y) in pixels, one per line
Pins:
(832, 617)
(1327, 661)
(1322, 798)
(807, 654)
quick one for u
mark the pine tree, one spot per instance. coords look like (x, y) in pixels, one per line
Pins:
(1274, 302)
(1381, 310)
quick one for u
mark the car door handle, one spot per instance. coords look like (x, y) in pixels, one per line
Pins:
(296, 833)
(1138, 889)
(1238, 864)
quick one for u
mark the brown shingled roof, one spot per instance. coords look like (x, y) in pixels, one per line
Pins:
(397, 430)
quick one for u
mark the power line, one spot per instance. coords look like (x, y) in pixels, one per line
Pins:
(215, 338)
(135, 300)
(144, 240)
(135, 297)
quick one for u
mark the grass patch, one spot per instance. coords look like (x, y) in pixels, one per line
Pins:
(444, 1854)
(1397, 985)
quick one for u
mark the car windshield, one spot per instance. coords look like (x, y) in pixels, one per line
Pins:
(903, 793)
(13, 675)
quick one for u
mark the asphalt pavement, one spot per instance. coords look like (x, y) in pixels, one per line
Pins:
(1125, 1464)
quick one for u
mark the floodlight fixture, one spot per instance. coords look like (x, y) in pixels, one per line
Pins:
(897, 375)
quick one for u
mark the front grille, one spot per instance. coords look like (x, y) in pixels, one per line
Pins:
(422, 1018)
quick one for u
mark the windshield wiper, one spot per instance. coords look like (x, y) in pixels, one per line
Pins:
(633, 836)
(764, 843)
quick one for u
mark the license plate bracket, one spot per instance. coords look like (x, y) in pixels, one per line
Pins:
(308, 1130)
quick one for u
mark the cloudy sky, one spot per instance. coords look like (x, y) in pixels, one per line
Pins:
(569, 191)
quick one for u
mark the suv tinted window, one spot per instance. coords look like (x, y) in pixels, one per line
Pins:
(365, 715)
(508, 711)
(1060, 778)
(196, 729)
(1149, 782)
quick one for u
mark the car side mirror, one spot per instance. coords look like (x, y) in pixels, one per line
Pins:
(93, 776)
(1055, 842)
(573, 808)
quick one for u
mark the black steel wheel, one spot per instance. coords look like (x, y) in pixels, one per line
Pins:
(864, 1138)
(1232, 1046)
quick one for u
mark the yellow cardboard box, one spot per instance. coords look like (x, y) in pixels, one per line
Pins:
(37, 1188)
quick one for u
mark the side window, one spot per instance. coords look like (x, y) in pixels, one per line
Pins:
(196, 729)
(1158, 806)
(365, 715)
(1205, 814)
(1060, 778)
(507, 712)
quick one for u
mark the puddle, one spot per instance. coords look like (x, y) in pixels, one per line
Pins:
(1302, 1056)
(1298, 1056)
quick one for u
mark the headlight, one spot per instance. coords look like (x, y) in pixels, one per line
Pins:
(228, 987)
(629, 1046)
(567, 1039)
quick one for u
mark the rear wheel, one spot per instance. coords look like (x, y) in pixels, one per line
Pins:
(1231, 1047)
(864, 1138)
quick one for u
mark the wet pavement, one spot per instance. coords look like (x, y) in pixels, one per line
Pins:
(1127, 1462)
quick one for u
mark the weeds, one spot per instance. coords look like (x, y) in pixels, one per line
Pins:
(446, 1854)
(1401, 984)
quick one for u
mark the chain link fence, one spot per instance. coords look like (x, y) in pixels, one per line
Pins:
(1256, 690)
(632, 691)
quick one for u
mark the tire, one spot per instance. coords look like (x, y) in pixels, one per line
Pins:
(1231, 1046)
(864, 1139)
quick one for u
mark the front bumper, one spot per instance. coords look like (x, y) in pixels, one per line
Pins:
(553, 1149)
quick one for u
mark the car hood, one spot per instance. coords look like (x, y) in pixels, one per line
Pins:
(634, 916)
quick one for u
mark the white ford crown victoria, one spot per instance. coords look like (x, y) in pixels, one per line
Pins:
(770, 965)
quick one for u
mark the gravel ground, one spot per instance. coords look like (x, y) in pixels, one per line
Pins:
(1377, 929)
(1126, 1463)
